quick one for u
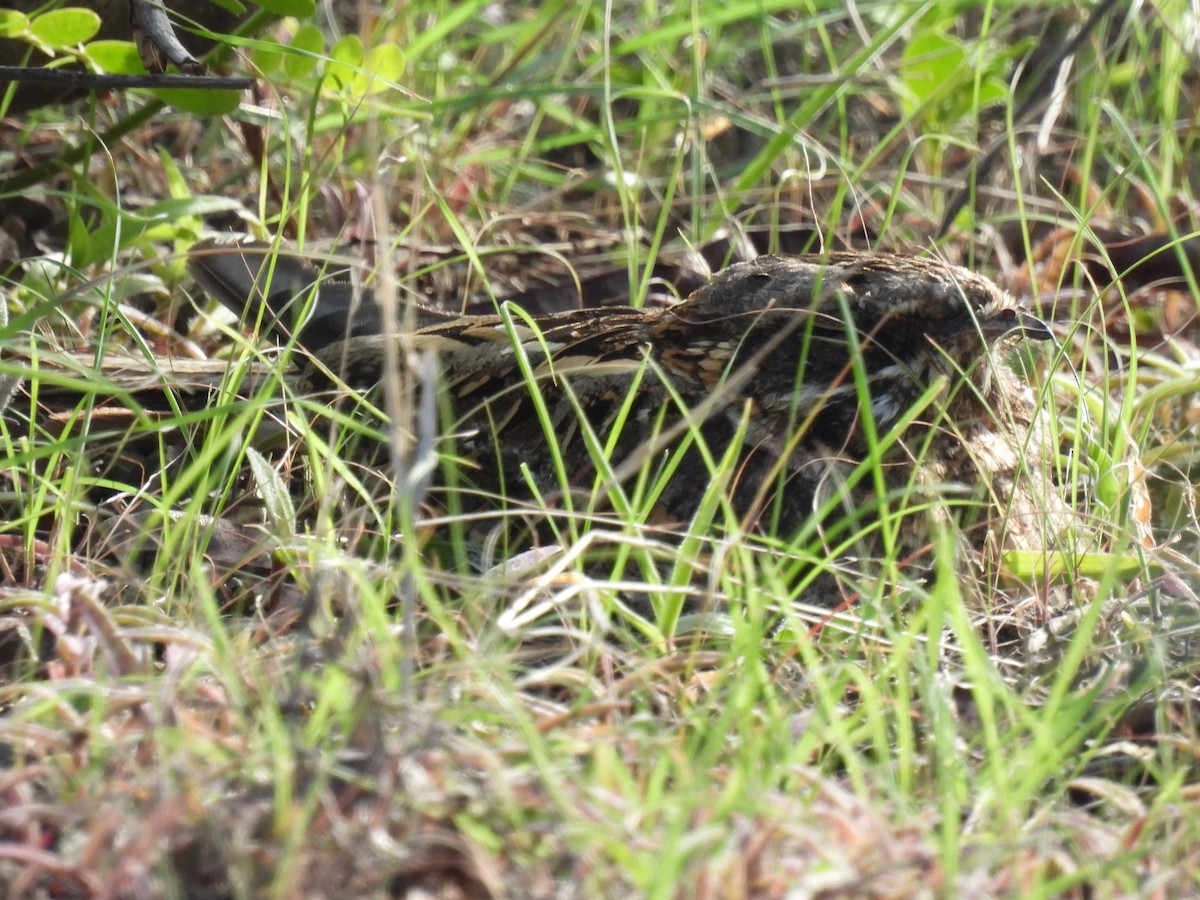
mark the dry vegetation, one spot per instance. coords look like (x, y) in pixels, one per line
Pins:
(231, 664)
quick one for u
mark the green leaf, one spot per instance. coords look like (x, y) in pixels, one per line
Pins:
(383, 67)
(307, 45)
(115, 57)
(177, 185)
(274, 492)
(12, 23)
(179, 207)
(1031, 565)
(81, 240)
(929, 63)
(992, 91)
(267, 56)
(232, 6)
(200, 101)
(65, 27)
(345, 59)
(297, 9)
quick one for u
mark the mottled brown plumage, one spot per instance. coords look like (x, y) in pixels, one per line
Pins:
(792, 361)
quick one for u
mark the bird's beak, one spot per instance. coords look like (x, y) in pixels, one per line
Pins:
(1016, 322)
(1032, 328)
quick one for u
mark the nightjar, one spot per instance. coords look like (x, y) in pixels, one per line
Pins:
(822, 395)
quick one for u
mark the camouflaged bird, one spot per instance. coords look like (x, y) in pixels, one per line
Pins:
(797, 371)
